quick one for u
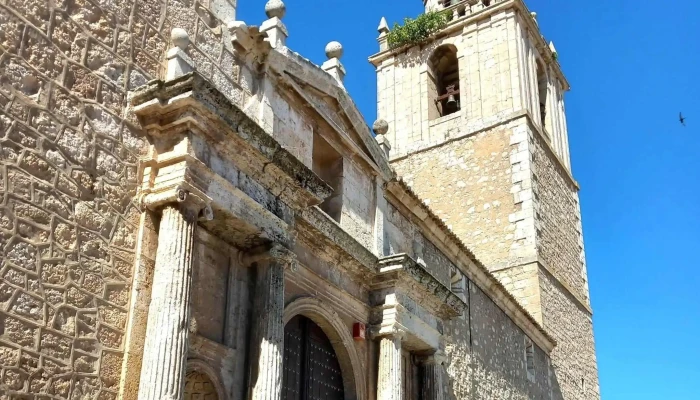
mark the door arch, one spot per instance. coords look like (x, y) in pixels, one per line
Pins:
(311, 367)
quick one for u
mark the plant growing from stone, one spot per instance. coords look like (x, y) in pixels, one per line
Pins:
(416, 31)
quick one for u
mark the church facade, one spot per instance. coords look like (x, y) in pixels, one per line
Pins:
(192, 210)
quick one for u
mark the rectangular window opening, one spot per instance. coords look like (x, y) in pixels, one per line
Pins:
(530, 359)
(328, 164)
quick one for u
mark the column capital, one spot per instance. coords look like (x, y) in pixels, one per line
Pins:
(389, 332)
(274, 253)
(437, 358)
(186, 197)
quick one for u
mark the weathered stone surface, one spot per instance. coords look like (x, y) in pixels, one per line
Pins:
(74, 293)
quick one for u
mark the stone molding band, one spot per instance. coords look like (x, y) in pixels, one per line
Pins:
(276, 253)
(437, 358)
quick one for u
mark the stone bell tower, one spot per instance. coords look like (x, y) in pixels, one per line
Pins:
(477, 128)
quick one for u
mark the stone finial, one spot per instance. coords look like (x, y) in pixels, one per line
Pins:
(383, 26)
(334, 50)
(383, 38)
(275, 8)
(552, 48)
(178, 62)
(380, 127)
(180, 38)
(333, 66)
(273, 27)
(534, 17)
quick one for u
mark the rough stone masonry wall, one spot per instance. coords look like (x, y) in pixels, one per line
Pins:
(560, 248)
(487, 356)
(68, 165)
(468, 183)
(559, 237)
(573, 359)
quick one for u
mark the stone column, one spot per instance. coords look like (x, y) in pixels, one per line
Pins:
(432, 386)
(166, 344)
(267, 344)
(389, 380)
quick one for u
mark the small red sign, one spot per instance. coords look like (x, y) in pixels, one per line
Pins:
(358, 331)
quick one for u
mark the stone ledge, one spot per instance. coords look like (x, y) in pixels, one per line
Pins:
(316, 228)
(402, 269)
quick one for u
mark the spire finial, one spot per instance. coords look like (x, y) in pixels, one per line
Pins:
(383, 26)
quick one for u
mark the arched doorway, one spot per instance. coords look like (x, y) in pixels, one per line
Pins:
(311, 367)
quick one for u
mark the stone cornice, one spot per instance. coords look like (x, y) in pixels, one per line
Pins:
(401, 271)
(191, 103)
(498, 122)
(435, 230)
(317, 230)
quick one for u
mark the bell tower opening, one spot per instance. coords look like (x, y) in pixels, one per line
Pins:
(311, 367)
(443, 82)
(542, 93)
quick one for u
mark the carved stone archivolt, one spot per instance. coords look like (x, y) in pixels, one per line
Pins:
(334, 327)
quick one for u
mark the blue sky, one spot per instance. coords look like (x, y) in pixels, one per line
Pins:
(633, 65)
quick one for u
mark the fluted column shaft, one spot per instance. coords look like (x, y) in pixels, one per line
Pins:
(267, 344)
(166, 344)
(432, 385)
(389, 382)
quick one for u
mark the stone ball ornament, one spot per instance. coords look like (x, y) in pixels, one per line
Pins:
(275, 8)
(334, 50)
(180, 38)
(380, 127)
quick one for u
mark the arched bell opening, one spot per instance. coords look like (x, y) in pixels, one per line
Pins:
(444, 83)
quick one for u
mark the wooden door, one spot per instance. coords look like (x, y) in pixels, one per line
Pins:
(311, 368)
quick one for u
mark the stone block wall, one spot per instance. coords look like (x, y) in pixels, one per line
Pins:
(68, 173)
(403, 236)
(359, 203)
(468, 182)
(489, 76)
(523, 283)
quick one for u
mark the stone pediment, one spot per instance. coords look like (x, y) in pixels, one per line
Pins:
(332, 103)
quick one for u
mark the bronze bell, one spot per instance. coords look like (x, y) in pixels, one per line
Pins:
(452, 102)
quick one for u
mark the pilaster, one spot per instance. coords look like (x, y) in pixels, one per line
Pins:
(166, 344)
(432, 385)
(390, 378)
(267, 339)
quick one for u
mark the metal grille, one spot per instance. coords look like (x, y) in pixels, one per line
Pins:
(311, 368)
